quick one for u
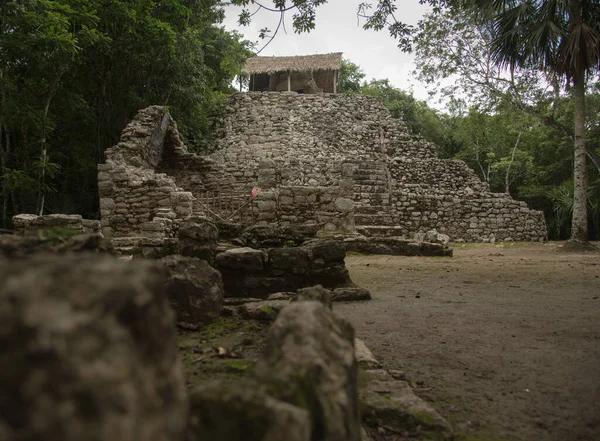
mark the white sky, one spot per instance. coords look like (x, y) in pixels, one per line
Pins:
(338, 30)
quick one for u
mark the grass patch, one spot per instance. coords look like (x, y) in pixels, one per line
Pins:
(237, 366)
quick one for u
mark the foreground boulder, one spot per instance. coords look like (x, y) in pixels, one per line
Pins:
(238, 410)
(195, 290)
(309, 362)
(88, 352)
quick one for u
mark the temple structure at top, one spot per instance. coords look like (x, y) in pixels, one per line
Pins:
(302, 74)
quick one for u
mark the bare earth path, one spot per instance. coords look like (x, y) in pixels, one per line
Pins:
(503, 341)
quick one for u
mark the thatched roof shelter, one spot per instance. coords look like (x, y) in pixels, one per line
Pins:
(308, 73)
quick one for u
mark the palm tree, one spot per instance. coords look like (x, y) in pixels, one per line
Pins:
(561, 37)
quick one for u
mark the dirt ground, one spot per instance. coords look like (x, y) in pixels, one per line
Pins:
(504, 341)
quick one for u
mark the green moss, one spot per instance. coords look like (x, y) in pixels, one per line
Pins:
(364, 377)
(57, 235)
(482, 435)
(237, 366)
(267, 309)
(226, 325)
(290, 244)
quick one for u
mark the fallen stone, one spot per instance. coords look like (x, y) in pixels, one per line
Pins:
(350, 294)
(315, 293)
(236, 410)
(88, 351)
(433, 236)
(364, 356)
(195, 290)
(282, 296)
(309, 362)
(240, 259)
(392, 405)
(264, 311)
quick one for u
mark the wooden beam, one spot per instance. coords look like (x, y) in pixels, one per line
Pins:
(289, 81)
(335, 81)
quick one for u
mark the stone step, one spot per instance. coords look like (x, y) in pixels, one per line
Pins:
(361, 174)
(373, 219)
(370, 188)
(370, 183)
(380, 230)
(372, 209)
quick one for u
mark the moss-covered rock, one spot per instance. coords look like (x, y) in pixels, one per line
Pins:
(309, 362)
(242, 410)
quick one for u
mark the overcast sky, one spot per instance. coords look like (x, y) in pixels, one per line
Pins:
(338, 30)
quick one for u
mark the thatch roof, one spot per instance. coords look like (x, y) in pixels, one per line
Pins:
(302, 63)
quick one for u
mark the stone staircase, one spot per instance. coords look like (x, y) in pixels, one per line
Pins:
(372, 197)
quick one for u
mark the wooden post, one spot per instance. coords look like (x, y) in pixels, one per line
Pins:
(289, 81)
(240, 82)
(335, 81)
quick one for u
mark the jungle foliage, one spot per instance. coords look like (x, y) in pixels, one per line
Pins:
(73, 73)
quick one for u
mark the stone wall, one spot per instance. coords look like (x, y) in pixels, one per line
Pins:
(31, 225)
(338, 161)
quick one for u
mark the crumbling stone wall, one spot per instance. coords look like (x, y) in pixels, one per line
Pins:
(338, 161)
(135, 200)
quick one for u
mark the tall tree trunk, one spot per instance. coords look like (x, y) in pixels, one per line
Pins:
(579, 229)
(512, 159)
(43, 153)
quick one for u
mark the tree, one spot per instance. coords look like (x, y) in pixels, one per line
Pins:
(562, 37)
(351, 77)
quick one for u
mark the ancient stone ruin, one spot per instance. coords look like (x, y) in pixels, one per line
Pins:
(337, 163)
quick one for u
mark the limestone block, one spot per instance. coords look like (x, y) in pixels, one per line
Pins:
(240, 259)
(344, 205)
(310, 358)
(107, 203)
(215, 405)
(89, 352)
(195, 290)
(155, 226)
